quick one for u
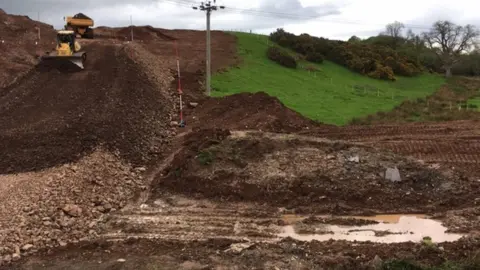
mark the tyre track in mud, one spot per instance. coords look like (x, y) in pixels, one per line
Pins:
(449, 144)
(190, 222)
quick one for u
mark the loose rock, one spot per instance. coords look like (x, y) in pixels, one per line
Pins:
(27, 247)
(72, 210)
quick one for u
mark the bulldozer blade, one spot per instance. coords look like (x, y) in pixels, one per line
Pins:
(63, 63)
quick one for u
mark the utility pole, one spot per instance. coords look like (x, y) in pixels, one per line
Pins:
(208, 7)
(131, 27)
(38, 20)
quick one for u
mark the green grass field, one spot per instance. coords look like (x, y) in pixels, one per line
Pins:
(475, 101)
(332, 95)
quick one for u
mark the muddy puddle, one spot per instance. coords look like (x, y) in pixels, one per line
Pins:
(390, 229)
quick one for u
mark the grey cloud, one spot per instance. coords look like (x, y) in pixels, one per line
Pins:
(295, 7)
(276, 14)
(52, 12)
(60, 5)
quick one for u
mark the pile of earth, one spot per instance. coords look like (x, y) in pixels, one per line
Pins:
(51, 117)
(20, 45)
(61, 205)
(140, 33)
(250, 111)
(310, 175)
(96, 128)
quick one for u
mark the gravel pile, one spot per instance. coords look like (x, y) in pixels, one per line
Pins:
(64, 204)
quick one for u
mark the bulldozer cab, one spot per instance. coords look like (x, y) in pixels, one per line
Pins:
(66, 37)
(67, 52)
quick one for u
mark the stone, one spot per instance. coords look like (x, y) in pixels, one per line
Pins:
(393, 174)
(141, 169)
(239, 247)
(62, 244)
(121, 260)
(189, 265)
(193, 104)
(355, 159)
(72, 210)
(15, 257)
(376, 263)
(107, 206)
(27, 247)
(7, 258)
(174, 123)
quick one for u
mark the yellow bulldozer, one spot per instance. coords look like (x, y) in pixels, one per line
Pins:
(81, 24)
(67, 52)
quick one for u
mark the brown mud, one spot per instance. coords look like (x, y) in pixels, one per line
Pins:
(312, 175)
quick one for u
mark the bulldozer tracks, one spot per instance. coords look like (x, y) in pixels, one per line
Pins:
(452, 144)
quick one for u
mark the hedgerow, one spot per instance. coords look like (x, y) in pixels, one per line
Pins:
(375, 61)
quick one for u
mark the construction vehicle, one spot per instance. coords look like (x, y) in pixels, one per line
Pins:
(67, 51)
(81, 24)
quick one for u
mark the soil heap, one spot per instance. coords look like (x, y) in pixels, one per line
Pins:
(250, 111)
(20, 45)
(97, 128)
(50, 118)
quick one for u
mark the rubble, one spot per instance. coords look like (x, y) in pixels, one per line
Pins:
(47, 211)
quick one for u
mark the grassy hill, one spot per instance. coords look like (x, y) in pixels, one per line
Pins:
(331, 95)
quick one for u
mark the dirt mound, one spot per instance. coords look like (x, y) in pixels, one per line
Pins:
(20, 45)
(50, 118)
(62, 204)
(311, 175)
(244, 111)
(143, 33)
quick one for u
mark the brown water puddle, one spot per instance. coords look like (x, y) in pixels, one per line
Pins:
(393, 229)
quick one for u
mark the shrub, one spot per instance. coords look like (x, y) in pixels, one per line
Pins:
(206, 157)
(368, 58)
(382, 72)
(314, 57)
(311, 68)
(281, 57)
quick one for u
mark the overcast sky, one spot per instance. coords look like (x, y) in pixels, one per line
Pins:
(336, 19)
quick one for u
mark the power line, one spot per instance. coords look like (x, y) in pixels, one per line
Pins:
(281, 15)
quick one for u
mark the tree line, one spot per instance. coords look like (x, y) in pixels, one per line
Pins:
(446, 48)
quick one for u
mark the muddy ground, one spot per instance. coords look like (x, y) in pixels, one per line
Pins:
(227, 254)
(311, 175)
(95, 169)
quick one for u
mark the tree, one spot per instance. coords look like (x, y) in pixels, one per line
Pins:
(394, 30)
(354, 39)
(449, 41)
(415, 40)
